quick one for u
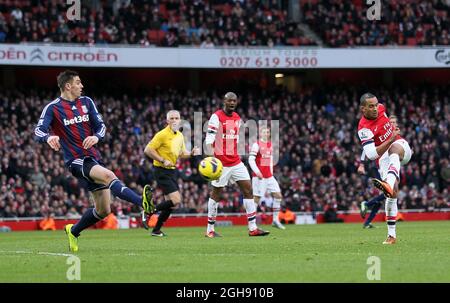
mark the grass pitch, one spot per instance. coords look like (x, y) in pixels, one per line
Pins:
(301, 253)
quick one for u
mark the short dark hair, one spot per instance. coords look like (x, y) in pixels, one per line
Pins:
(363, 99)
(64, 77)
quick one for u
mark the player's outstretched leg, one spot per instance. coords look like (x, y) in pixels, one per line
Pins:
(145, 201)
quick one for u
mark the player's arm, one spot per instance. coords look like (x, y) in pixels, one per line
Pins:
(252, 160)
(361, 170)
(98, 126)
(151, 151)
(374, 152)
(41, 132)
(213, 128)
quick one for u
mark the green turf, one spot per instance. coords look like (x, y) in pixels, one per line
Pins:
(301, 253)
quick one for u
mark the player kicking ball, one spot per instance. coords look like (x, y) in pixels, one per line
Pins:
(382, 142)
(73, 123)
(222, 141)
(261, 163)
(373, 204)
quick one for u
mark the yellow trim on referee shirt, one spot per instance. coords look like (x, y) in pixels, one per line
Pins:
(168, 144)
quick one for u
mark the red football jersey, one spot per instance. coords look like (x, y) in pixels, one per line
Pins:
(378, 130)
(264, 160)
(227, 136)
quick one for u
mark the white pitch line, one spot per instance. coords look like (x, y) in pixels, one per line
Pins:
(38, 253)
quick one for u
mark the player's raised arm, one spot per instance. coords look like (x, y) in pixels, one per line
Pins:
(252, 160)
(213, 128)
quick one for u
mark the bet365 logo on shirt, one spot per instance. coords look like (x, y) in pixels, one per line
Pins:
(77, 119)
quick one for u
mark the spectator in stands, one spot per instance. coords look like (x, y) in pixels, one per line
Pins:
(133, 22)
(306, 148)
(330, 215)
(48, 223)
(286, 216)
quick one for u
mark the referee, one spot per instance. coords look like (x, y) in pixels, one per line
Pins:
(165, 148)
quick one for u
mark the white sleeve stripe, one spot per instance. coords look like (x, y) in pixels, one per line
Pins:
(46, 107)
(93, 104)
(102, 131)
(40, 133)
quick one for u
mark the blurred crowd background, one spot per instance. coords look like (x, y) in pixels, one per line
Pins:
(319, 148)
(270, 23)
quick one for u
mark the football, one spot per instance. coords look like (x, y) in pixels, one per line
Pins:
(210, 168)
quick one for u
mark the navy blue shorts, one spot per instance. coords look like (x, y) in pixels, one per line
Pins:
(80, 169)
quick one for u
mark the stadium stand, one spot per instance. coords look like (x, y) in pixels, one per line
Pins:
(343, 23)
(339, 23)
(316, 169)
(161, 23)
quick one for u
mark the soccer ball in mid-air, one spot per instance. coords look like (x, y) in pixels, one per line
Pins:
(210, 168)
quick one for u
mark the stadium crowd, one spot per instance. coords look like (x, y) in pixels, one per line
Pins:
(162, 23)
(342, 23)
(319, 149)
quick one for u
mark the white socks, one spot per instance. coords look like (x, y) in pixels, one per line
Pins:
(276, 209)
(212, 214)
(391, 215)
(250, 208)
(393, 170)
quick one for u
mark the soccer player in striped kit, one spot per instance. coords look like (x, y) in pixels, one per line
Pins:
(261, 163)
(222, 140)
(72, 123)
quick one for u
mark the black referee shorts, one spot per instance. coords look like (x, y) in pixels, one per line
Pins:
(166, 179)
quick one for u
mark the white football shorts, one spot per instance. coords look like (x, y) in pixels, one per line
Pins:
(261, 186)
(384, 159)
(232, 174)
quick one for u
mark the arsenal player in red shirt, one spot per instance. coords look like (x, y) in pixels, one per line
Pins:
(382, 142)
(221, 141)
